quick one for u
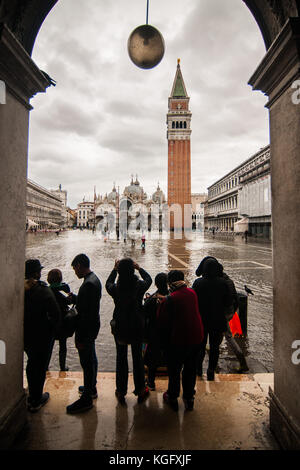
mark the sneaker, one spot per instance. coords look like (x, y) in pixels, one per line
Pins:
(172, 402)
(210, 374)
(94, 394)
(189, 404)
(143, 395)
(33, 407)
(121, 397)
(79, 406)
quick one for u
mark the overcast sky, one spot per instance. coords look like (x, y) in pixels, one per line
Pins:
(106, 118)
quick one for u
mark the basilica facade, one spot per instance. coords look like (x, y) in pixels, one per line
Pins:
(119, 212)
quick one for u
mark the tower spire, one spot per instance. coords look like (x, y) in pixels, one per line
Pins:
(179, 149)
(179, 89)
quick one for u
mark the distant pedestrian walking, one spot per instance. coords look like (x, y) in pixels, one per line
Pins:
(181, 331)
(41, 321)
(87, 328)
(153, 357)
(128, 324)
(214, 301)
(143, 241)
(60, 289)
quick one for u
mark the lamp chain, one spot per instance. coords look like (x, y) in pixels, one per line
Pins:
(147, 14)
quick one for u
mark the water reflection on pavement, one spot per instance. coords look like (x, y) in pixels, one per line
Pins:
(246, 263)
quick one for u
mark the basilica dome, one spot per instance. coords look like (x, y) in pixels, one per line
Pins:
(135, 190)
(113, 196)
(158, 197)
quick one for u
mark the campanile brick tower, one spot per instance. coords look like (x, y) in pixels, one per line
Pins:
(179, 148)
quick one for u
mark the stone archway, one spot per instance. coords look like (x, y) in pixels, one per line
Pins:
(279, 23)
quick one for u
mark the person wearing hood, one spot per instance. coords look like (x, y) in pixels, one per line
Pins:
(229, 314)
(42, 320)
(214, 300)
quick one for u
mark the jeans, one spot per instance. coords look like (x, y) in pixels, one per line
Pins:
(62, 353)
(215, 339)
(182, 358)
(122, 368)
(38, 359)
(89, 364)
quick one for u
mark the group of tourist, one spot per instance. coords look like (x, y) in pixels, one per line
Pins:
(170, 327)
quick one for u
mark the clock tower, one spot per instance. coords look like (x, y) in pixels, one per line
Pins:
(179, 148)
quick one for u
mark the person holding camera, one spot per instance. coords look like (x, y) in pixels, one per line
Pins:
(128, 324)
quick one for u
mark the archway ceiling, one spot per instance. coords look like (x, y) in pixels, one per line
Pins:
(25, 17)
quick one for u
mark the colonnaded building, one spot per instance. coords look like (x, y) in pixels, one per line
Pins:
(46, 209)
(241, 200)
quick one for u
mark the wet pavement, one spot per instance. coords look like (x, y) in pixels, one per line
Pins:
(246, 263)
(231, 413)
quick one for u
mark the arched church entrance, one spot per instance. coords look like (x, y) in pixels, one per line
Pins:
(277, 76)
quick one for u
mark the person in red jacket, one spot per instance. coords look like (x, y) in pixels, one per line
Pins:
(181, 333)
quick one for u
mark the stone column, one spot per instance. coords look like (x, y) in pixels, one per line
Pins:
(276, 76)
(20, 78)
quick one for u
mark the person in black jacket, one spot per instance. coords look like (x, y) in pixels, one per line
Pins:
(154, 356)
(128, 324)
(41, 321)
(54, 279)
(234, 304)
(214, 301)
(87, 328)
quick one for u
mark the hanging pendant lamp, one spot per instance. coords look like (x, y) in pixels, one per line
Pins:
(146, 46)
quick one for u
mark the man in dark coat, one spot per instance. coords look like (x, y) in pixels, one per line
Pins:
(87, 328)
(181, 330)
(234, 304)
(214, 300)
(41, 322)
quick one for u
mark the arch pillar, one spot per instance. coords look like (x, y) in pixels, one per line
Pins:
(275, 76)
(20, 80)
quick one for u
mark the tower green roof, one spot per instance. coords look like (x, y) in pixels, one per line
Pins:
(178, 90)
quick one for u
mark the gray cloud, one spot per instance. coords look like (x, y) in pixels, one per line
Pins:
(106, 119)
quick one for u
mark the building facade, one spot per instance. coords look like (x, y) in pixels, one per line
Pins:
(63, 195)
(179, 147)
(85, 214)
(44, 210)
(244, 194)
(198, 204)
(132, 207)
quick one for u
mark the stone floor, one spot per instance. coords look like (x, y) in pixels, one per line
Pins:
(230, 413)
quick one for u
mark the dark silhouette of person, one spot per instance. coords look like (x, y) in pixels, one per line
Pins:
(54, 279)
(87, 328)
(233, 307)
(214, 301)
(181, 330)
(128, 324)
(153, 357)
(41, 321)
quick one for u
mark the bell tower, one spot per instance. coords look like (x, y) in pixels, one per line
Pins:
(179, 146)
